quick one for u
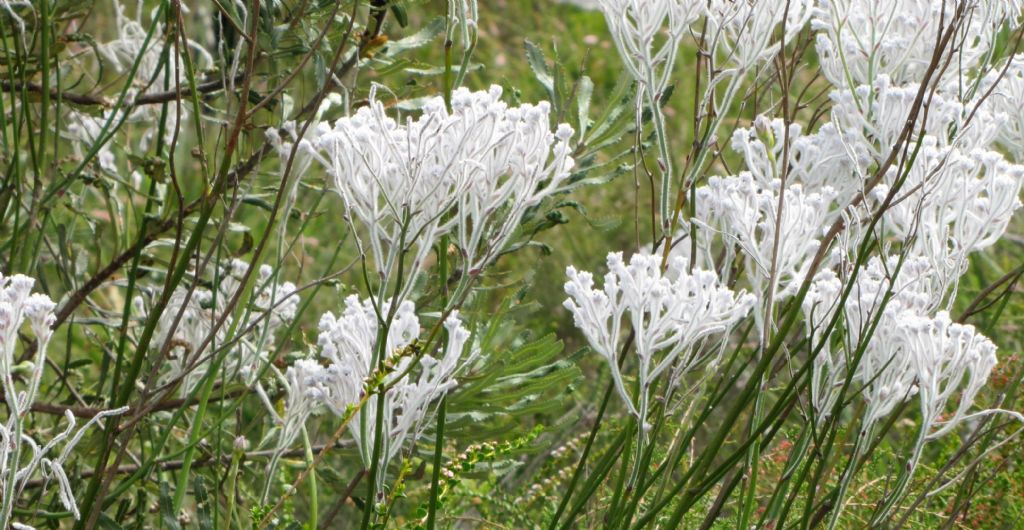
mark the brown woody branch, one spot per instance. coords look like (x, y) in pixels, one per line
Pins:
(89, 412)
(205, 461)
(94, 100)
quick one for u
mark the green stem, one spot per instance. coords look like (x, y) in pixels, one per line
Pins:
(232, 480)
(314, 507)
(435, 477)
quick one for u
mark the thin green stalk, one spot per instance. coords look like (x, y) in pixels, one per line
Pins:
(314, 507)
(370, 502)
(379, 355)
(642, 483)
(207, 389)
(442, 408)
(794, 459)
(232, 480)
(601, 470)
(583, 457)
(435, 476)
(620, 482)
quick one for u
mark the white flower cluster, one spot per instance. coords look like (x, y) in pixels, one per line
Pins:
(873, 117)
(122, 52)
(955, 195)
(745, 212)
(152, 70)
(349, 345)
(1007, 94)
(273, 306)
(472, 173)
(908, 354)
(648, 34)
(959, 194)
(824, 159)
(860, 40)
(284, 140)
(822, 173)
(745, 30)
(153, 73)
(950, 204)
(21, 456)
(670, 315)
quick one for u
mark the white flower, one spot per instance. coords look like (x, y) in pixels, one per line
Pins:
(83, 130)
(819, 307)
(472, 172)
(648, 34)
(669, 313)
(349, 343)
(1006, 99)
(816, 161)
(860, 40)
(873, 117)
(745, 212)
(951, 361)
(950, 204)
(152, 71)
(745, 30)
(18, 306)
(882, 370)
(908, 353)
(20, 453)
(304, 155)
(306, 389)
(273, 307)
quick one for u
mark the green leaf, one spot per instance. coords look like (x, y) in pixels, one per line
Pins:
(106, 523)
(203, 503)
(400, 14)
(518, 380)
(424, 36)
(167, 516)
(584, 91)
(539, 65)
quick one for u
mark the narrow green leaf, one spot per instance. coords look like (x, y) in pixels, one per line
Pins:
(203, 503)
(418, 39)
(584, 91)
(167, 516)
(539, 65)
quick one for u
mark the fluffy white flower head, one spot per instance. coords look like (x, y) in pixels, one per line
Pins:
(349, 344)
(472, 172)
(670, 314)
(20, 453)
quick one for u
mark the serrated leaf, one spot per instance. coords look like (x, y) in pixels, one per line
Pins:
(202, 503)
(400, 14)
(535, 57)
(167, 517)
(424, 36)
(607, 121)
